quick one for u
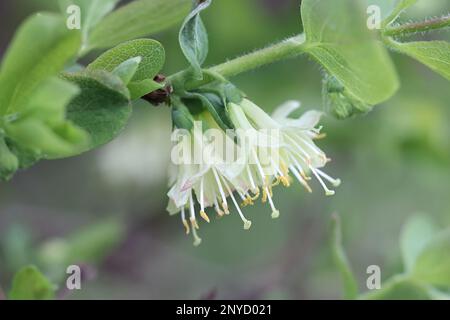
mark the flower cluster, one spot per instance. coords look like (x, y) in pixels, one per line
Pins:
(266, 151)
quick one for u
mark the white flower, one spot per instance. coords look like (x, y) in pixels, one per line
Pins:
(298, 152)
(267, 150)
(212, 182)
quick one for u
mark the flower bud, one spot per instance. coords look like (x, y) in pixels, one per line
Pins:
(339, 102)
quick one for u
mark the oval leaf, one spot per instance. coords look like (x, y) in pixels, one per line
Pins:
(102, 108)
(338, 38)
(151, 52)
(138, 19)
(193, 39)
(40, 49)
(152, 57)
(92, 11)
(433, 54)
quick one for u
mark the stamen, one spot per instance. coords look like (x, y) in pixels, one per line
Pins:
(258, 165)
(307, 158)
(277, 168)
(216, 206)
(334, 182)
(277, 181)
(264, 196)
(313, 147)
(225, 208)
(183, 219)
(202, 208)
(300, 179)
(256, 193)
(241, 194)
(285, 181)
(204, 216)
(320, 136)
(192, 217)
(197, 239)
(247, 200)
(284, 169)
(328, 192)
(250, 177)
(299, 167)
(275, 212)
(247, 223)
(222, 194)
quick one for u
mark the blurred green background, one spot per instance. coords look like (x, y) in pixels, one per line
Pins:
(106, 209)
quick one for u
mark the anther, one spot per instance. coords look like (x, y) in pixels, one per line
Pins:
(204, 216)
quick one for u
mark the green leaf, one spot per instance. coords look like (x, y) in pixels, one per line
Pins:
(399, 8)
(181, 116)
(341, 260)
(152, 57)
(141, 88)
(338, 38)
(193, 39)
(151, 52)
(138, 19)
(433, 263)
(399, 288)
(415, 235)
(127, 69)
(40, 49)
(30, 284)
(41, 125)
(102, 108)
(92, 11)
(434, 54)
(215, 107)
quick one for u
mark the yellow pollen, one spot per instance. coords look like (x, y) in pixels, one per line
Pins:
(256, 194)
(247, 201)
(194, 223)
(225, 208)
(320, 136)
(277, 181)
(204, 216)
(219, 212)
(285, 181)
(264, 196)
(305, 176)
(284, 168)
